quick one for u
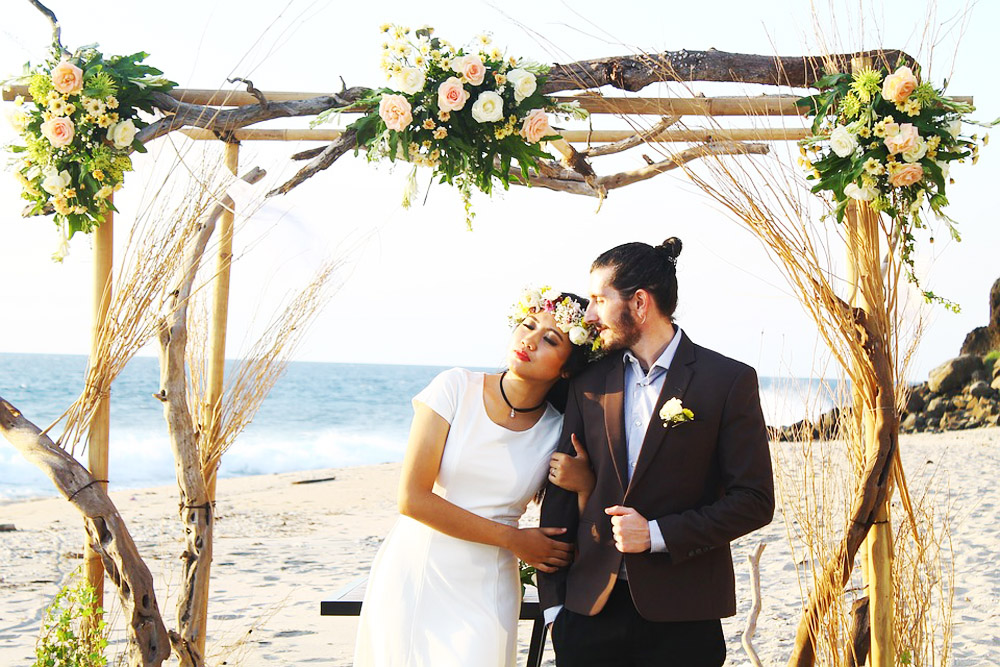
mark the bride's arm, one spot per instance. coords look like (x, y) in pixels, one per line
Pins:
(421, 465)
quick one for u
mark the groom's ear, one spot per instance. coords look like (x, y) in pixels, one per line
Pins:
(641, 300)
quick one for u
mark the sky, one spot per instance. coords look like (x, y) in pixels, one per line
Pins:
(418, 288)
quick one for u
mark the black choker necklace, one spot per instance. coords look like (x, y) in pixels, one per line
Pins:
(507, 400)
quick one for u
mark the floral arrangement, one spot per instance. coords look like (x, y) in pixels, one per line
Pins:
(466, 112)
(568, 314)
(78, 130)
(890, 140)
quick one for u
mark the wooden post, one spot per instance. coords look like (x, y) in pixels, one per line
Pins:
(878, 544)
(861, 421)
(876, 553)
(212, 409)
(100, 427)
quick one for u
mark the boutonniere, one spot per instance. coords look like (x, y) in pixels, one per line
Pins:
(674, 412)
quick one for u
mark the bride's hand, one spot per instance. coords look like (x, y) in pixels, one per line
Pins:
(572, 473)
(535, 547)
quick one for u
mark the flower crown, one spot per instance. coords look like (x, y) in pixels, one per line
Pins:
(568, 314)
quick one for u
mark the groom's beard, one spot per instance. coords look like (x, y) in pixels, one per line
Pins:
(624, 332)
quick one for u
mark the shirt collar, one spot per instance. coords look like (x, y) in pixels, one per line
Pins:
(665, 358)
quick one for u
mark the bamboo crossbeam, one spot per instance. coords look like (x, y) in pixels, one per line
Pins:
(763, 105)
(572, 136)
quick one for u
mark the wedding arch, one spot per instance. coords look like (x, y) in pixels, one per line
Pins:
(860, 326)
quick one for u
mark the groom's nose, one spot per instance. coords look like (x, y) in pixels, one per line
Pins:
(590, 315)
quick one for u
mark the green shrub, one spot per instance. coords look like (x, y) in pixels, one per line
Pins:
(991, 359)
(68, 638)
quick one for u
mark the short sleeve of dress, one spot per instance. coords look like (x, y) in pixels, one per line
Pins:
(442, 394)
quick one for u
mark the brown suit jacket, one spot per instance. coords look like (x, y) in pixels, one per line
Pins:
(705, 482)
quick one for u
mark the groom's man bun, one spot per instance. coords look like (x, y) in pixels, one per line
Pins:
(638, 265)
(671, 248)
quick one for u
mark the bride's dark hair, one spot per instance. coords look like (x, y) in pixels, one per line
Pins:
(576, 362)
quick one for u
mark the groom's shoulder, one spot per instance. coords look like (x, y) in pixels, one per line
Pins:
(721, 362)
(597, 371)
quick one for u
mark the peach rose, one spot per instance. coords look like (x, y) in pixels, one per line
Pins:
(451, 95)
(536, 126)
(898, 85)
(906, 174)
(901, 140)
(67, 78)
(59, 131)
(471, 67)
(395, 111)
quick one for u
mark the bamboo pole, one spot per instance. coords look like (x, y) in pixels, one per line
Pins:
(571, 136)
(876, 552)
(736, 105)
(211, 416)
(100, 425)
(733, 105)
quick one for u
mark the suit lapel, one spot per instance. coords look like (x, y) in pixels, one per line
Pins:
(614, 420)
(674, 386)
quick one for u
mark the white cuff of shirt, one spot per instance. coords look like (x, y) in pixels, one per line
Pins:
(656, 543)
(550, 614)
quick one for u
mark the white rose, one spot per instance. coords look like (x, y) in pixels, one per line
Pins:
(523, 82)
(917, 152)
(578, 335)
(17, 119)
(861, 194)
(842, 141)
(409, 80)
(671, 409)
(955, 128)
(488, 107)
(121, 134)
(55, 181)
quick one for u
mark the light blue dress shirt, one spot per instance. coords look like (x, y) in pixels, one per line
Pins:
(642, 390)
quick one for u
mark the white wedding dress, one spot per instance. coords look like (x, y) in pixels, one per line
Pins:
(438, 601)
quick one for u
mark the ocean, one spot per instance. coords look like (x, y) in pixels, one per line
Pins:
(319, 415)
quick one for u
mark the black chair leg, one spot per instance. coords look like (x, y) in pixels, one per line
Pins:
(537, 645)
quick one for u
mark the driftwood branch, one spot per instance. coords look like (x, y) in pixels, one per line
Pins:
(106, 530)
(181, 114)
(861, 633)
(872, 495)
(552, 176)
(196, 508)
(345, 142)
(251, 89)
(633, 73)
(56, 28)
(636, 140)
(673, 162)
(751, 627)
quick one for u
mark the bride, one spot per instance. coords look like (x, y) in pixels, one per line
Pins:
(444, 588)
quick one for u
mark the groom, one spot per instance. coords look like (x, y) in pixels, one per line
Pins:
(653, 573)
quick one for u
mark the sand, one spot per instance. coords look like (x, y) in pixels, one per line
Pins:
(281, 548)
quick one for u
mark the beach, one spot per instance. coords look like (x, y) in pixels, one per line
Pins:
(282, 547)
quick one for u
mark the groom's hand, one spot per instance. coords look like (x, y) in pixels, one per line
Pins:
(630, 529)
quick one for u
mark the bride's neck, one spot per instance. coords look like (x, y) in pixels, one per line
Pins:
(524, 393)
